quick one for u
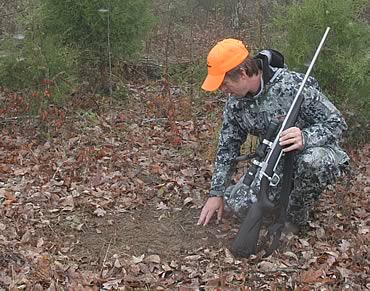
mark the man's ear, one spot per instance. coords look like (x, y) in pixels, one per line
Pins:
(243, 73)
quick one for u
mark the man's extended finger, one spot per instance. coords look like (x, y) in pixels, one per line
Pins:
(201, 218)
(208, 217)
(220, 213)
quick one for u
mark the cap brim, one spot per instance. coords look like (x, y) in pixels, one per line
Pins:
(212, 82)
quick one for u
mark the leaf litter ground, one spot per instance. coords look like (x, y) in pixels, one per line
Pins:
(110, 200)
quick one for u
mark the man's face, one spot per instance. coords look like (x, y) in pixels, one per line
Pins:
(241, 86)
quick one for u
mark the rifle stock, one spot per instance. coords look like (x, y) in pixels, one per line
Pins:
(245, 242)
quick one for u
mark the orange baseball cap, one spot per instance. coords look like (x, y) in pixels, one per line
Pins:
(223, 57)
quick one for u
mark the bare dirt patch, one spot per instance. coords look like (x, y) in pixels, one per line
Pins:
(170, 234)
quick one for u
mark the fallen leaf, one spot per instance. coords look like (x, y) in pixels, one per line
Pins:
(330, 261)
(99, 212)
(137, 260)
(345, 273)
(266, 266)
(26, 237)
(229, 259)
(304, 242)
(79, 227)
(68, 203)
(332, 253)
(153, 259)
(364, 229)
(320, 232)
(344, 246)
(40, 242)
(155, 168)
(162, 206)
(193, 258)
(188, 200)
(112, 284)
(291, 255)
(9, 198)
(312, 276)
(21, 172)
(117, 263)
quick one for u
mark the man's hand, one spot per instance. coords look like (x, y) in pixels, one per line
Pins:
(292, 137)
(213, 204)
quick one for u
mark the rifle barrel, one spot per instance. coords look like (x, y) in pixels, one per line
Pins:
(276, 150)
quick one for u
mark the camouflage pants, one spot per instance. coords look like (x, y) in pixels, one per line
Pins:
(314, 169)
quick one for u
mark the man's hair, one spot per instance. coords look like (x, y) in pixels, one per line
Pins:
(250, 65)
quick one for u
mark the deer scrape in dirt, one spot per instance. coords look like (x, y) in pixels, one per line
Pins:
(166, 233)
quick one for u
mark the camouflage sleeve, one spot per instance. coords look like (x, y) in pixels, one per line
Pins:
(325, 123)
(232, 136)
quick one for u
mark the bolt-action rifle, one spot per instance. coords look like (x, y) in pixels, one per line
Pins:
(267, 157)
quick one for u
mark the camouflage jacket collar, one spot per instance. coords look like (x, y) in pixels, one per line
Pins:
(270, 62)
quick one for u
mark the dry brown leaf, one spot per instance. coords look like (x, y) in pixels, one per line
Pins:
(344, 246)
(153, 259)
(138, 259)
(162, 206)
(9, 198)
(332, 253)
(312, 276)
(67, 203)
(40, 242)
(187, 200)
(364, 229)
(193, 258)
(344, 272)
(266, 267)
(156, 168)
(117, 263)
(291, 255)
(229, 258)
(26, 236)
(99, 212)
(320, 233)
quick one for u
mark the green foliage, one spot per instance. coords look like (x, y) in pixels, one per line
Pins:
(182, 74)
(121, 92)
(84, 24)
(343, 68)
(36, 64)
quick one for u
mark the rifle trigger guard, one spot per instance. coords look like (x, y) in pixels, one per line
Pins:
(274, 180)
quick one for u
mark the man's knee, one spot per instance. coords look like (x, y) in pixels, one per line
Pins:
(314, 159)
(238, 198)
(318, 163)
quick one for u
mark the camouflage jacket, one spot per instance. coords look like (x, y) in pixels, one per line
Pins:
(320, 121)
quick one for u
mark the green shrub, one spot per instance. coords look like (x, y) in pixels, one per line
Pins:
(35, 65)
(343, 68)
(104, 31)
(84, 24)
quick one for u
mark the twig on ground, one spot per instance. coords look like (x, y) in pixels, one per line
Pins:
(154, 120)
(105, 258)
